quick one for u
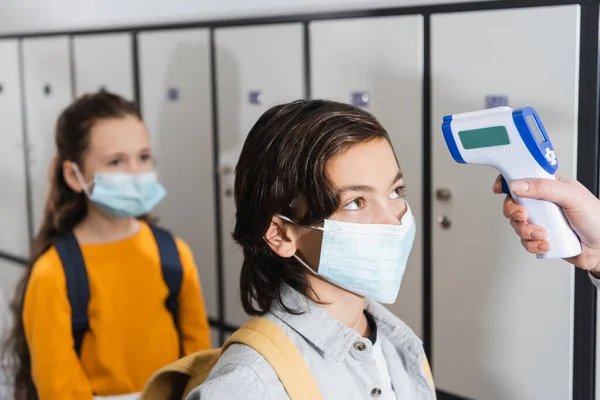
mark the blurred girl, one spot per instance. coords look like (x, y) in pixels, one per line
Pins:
(108, 298)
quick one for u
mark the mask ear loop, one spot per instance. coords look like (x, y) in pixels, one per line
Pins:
(84, 186)
(320, 228)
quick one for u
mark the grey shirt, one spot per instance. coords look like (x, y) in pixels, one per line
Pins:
(342, 368)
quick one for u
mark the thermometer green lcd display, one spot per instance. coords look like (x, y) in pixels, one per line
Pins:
(484, 137)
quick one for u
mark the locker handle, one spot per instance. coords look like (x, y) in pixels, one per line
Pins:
(1, 88)
(47, 89)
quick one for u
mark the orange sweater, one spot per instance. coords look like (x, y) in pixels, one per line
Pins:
(131, 334)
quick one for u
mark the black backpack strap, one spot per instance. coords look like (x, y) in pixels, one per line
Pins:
(172, 271)
(78, 289)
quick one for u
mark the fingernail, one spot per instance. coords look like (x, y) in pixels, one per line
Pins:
(518, 215)
(519, 186)
(538, 235)
(544, 247)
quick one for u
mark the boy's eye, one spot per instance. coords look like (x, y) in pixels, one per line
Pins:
(397, 193)
(146, 157)
(114, 162)
(355, 205)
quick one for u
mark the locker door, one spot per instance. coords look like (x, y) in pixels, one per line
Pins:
(47, 71)
(175, 86)
(14, 236)
(103, 62)
(501, 318)
(257, 67)
(215, 337)
(378, 65)
(10, 275)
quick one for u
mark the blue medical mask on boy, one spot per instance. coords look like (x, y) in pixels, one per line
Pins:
(366, 259)
(123, 195)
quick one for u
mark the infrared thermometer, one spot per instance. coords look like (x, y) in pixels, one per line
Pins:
(516, 144)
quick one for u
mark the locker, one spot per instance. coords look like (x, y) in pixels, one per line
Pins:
(176, 92)
(14, 236)
(47, 72)
(378, 65)
(104, 62)
(251, 77)
(215, 338)
(501, 318)
(10, 275)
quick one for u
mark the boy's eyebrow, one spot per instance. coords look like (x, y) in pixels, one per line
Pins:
(367, 188)
(357, 188)
(397, 178)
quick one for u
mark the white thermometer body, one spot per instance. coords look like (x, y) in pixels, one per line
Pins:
(516, 144)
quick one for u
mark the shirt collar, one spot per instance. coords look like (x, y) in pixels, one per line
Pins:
(335, 339)
(372, 326)
(329, 335)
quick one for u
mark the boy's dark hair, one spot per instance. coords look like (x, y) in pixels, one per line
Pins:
(283, 165)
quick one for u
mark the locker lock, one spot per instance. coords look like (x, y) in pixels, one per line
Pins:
(444, 222)
(360, 99)
(255, 97)
(443, 194)
(225, 170)
(47, 89)
(173, 94)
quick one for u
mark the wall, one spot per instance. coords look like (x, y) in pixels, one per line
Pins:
(22, 16)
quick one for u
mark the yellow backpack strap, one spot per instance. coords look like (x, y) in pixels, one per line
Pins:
(176, 380)
(282, 354)
(428, 374)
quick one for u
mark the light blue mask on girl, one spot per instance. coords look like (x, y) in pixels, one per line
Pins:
(123, 195)
(366, 259)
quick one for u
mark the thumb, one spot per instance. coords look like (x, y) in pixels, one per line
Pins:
(556, 191)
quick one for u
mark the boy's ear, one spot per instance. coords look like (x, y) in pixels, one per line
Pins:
(281, 238)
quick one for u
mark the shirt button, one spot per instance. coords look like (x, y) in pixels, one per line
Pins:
(376, 393)
(360, 346)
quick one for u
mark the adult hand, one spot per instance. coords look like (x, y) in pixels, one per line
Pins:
(580, 206)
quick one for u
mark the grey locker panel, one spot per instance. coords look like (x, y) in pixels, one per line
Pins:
(215, 338)
(10, 275)
(14, 235)
(104, 62)
(502, 318)
(251, 77)
(47, 73)
(176, 94)
(378, 65)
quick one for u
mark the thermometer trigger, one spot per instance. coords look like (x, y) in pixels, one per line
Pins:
(505, 189)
